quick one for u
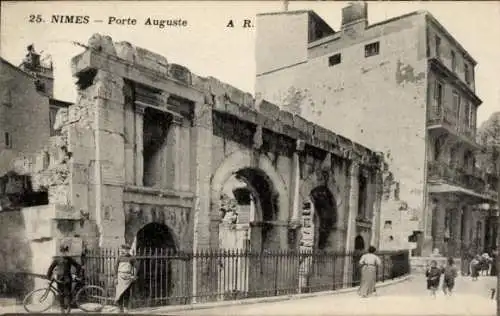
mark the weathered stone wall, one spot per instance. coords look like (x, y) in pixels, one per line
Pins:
(21, 103)
(342, 98)
(15, 252)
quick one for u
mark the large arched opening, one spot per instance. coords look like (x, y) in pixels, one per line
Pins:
(248, 197)
(325, 216)
(155, 245)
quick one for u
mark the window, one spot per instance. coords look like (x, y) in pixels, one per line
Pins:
(7, 98)
(467, 113)
(8, 140)
(456, 104)
(362, 196)
(40, 86)
(334, 60)
(438, 96)
(453, 61)
(466, 73)
(467, 160)
(438, 46)
(372, 49)
(472, 116)
(438, 144)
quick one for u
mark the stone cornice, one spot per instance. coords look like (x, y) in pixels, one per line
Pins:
(299, 128)
(147, 68)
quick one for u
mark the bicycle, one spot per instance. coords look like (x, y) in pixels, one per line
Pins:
(81, 297)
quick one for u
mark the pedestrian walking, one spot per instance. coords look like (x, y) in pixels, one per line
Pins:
(433, 275)
(474, 267)
(368, 263)
(493, 271)
(449, 275)
(125, 272)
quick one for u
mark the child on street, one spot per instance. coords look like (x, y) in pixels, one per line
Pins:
(450, 274)
(433, 275)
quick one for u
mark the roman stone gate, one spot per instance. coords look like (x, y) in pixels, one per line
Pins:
(160, 158)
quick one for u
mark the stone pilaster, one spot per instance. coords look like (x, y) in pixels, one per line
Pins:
(202, 132)
(296, 207)
(353, 205)
(456, 231)
(439, 218)
(109, 167)
(376, 215)
(204, 228)
(139, 146)
(185, 157)
(351, 222)
(176, 154)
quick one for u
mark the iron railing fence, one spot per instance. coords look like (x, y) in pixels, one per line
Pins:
(166, 277)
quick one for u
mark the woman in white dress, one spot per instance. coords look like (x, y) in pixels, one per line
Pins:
(369, 263)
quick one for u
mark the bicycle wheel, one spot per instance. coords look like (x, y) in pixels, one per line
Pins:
(40, 300)
(91, 298)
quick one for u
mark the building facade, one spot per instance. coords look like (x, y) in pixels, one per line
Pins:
(24, 98)
(403, 86)
(157, 157)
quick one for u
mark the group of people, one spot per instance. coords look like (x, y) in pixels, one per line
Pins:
(481, 264)
(433, 275)
(61, 267)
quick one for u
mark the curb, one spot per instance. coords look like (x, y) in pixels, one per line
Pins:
(271, 299)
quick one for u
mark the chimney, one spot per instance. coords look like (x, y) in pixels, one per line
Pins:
(355, 16)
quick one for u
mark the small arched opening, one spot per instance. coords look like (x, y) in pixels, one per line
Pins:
(359, 243)
(155, 274)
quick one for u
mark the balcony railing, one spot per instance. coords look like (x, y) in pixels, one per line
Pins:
(469, 179)
(448, 118)
(492, 186)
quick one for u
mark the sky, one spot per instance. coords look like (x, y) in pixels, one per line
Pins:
(208, 48)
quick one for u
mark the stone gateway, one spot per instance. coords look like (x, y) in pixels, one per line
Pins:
(155, 156)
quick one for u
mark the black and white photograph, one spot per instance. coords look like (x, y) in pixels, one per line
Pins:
(234, 157)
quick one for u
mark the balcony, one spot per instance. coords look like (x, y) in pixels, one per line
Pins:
(444, 119)
(457, 179)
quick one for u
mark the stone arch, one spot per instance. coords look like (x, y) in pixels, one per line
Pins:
(154, 239)
(137, 217)
(156, 235)
(265, 185)
(243, 160)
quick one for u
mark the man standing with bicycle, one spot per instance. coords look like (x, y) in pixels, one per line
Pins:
(61, 268)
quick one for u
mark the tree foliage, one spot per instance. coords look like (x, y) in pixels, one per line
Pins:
(488, 135)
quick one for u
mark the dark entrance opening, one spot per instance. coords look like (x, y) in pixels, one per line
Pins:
(326, 212)
(359, 246)
(155, 247)
(268, 204)
(359, 243)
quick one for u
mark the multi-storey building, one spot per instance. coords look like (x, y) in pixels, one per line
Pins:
(28, 108)
(404, 86)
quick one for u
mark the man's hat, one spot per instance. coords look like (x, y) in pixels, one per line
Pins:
(125, 247)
